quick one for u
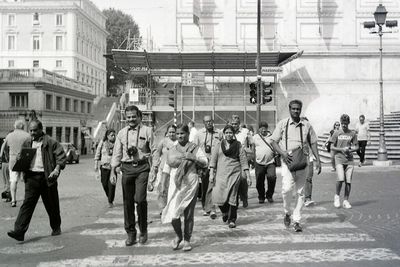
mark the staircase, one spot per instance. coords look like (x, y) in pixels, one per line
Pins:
(104, 114)
(392, 138)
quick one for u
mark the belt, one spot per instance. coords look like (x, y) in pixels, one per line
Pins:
(136, 163)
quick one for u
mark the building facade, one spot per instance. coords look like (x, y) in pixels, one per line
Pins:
(67, 37)
(64, 105)
(337, 73)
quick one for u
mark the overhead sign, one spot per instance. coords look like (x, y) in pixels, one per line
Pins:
(271, 70)
(134, 95)
(193, 78)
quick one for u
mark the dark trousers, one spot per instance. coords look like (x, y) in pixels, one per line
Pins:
(108, 187)
(188, 217)
(35, 187)
(134, 190)
(270, 172)
(229, 211)
(204, 186)
(243, 189)
(361, 150)
(308, 184)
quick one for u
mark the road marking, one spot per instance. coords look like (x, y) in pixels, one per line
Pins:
(215, 258)
(219, 228)
(30, 248)
(272, 217)
(255, 240)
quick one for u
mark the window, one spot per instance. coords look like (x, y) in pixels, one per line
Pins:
(19, 100)
(59, 19)
(36, 18)
(35, 64)
(67, 104)
(58, 63)
(11, 42)
(36, 42)
(58, 102)
(89, 107)
(58, 133)
(75, 105)
(11, 63)
(11, 19)
(83, 106)
(49, 131)
(67, 134)
(49, 101)
(59, 43)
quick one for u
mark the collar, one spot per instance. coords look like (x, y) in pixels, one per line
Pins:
(291, 121)
(204, 130)
(134, 128)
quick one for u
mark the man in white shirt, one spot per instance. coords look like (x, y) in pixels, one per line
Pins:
(363, 137)
(192, 131)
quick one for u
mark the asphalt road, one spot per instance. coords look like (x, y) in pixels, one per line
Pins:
(93, 234)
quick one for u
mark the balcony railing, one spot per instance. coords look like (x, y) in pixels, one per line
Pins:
(41, 75)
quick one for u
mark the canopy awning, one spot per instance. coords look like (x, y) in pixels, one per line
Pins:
(170, 63)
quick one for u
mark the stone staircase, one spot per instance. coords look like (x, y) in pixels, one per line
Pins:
(392, 138)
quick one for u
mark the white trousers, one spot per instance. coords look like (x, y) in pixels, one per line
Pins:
(293, 181)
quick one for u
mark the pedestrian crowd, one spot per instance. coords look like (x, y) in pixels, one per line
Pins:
(187, 164)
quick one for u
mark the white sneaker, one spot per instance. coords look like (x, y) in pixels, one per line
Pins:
(346, 204)
(336, 201)
(309, 202)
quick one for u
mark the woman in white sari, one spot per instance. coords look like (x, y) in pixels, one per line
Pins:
(181, 164)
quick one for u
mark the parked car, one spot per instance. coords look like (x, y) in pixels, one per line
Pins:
(71, 152)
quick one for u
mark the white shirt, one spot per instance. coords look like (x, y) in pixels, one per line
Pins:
(37, 162)
(362, 131)
(192, 134)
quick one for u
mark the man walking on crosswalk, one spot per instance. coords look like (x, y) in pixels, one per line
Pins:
(292, 138)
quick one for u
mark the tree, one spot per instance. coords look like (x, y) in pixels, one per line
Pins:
(118, 25)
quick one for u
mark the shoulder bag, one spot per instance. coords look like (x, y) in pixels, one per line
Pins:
(299, 159)
(277, 157)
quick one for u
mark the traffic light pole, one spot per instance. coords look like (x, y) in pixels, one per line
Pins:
(258, 65)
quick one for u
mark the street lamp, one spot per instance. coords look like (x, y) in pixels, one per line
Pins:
(380, 20)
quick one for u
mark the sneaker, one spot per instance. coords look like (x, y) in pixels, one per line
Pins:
(213, 215)
(245, 203)
(359, 164)
(206, 213)
(224, 217)
(333, 169)
(309, 202)
(286, 220)
(187, 246)
(261, 201)
(297, 227)
(143, 238)
(56, 232)
(17, 236)
(232, 225)
(346, 204)
(336, 201)
(175, 243)
(270, 200)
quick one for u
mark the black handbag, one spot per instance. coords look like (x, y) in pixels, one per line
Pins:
(277, 157)
(299, 159)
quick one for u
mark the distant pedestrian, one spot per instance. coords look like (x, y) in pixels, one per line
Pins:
(156, 179)
(14, 141)
(132, 151)
(41, 181)
(227, 166)
(192, 131)
(180, 166)
(292, 139)
(328, 143)
(103, 155)
(363, 137)
(264, 163)
(344, 143)
(4, 160)
(207, 139)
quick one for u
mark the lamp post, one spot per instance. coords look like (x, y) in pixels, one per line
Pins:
(380, 20)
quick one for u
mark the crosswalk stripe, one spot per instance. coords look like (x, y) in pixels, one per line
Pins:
(199, 219)
(216, 228)
(214, 258)
(205, 239)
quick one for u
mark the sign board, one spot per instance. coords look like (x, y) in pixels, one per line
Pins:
(271, 70)
(134, 95)
(193, 79)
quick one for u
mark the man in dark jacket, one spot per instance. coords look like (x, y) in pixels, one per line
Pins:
(41, 180)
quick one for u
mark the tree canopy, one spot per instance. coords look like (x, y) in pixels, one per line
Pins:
(118, 25)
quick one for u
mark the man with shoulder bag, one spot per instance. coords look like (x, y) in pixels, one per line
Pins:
(292, 138)
(265, 165)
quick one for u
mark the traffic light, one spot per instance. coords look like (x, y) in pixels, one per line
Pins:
(172, 97)
(266, 92)
(253, 93)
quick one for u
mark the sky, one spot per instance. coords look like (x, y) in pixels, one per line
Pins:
(144, 12)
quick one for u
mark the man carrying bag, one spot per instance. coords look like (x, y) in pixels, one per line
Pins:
(290, 139)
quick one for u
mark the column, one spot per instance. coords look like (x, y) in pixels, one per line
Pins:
(229, 38)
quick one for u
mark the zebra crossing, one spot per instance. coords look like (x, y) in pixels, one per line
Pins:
(260, 238)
